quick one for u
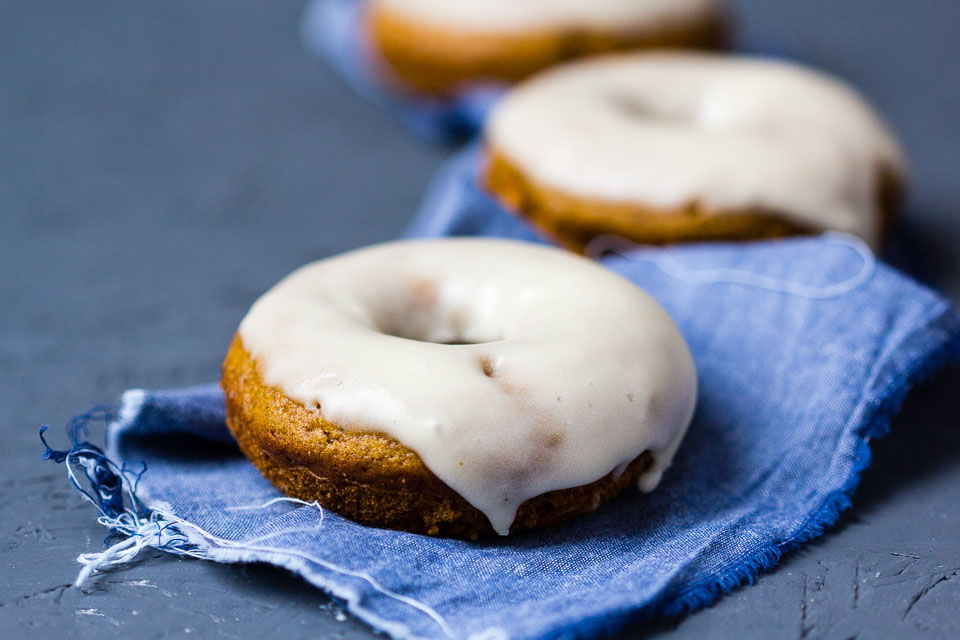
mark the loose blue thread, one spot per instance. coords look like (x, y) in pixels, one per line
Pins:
(103, 477)
(113, 489)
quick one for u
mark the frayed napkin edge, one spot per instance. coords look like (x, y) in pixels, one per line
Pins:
(936, 344)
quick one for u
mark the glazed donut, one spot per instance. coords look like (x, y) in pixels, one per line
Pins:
(674, 147)
(458, 387)
(437, 46)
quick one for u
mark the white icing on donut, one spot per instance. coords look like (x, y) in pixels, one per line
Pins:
(732, 133)
(505, 16)
(560, 372)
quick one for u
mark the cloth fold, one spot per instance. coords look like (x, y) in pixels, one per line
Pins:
(804, 349)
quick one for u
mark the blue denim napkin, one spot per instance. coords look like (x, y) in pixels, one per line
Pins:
(333, 29)
(804, 349)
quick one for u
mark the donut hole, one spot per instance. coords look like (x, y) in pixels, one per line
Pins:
(632, 107)
(435, 335)
(641, 108)
(421, 313)
(638, 107)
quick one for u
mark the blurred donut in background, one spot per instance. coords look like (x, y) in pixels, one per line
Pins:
(665, 147)
(438, 46)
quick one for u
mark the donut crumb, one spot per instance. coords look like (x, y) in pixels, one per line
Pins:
(486, 365)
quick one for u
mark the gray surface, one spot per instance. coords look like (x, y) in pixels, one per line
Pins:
(162, 164)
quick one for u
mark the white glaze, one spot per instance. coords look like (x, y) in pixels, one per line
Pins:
(668, 129)
(506, 16)
(587, 372)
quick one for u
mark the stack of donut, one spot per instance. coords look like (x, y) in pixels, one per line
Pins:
(455, 386)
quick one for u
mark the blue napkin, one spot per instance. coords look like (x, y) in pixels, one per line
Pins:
(333, 29)
(804, 349)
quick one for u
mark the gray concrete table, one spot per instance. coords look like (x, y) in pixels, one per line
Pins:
(162, 164)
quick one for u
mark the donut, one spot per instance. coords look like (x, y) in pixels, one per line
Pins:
(458, 387)
(438, 46)
(665, 147)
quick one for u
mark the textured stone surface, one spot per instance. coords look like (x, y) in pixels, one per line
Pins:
(161, 164)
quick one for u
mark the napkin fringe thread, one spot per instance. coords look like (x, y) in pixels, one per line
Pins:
(674, 268)
(114, 490)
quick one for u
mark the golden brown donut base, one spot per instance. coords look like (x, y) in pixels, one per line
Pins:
(575, 220)
(369, 477)
(439, 60)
